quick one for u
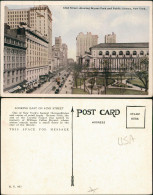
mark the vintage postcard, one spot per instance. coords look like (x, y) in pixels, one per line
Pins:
(76, 49)
(51, 146)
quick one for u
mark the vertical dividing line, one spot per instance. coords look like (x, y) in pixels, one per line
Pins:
(72, 177)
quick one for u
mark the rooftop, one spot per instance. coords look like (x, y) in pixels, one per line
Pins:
(122, 45)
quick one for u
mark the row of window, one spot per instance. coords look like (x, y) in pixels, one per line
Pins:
(8, 58)
(19, 18)
(15, 42)
(13, 66)
(43, 54)
(33, 77)
(35, 45)
(19, 14)
(38, 8)
(9, 73)
(34, 64)
(34, 71)
(121, 53)
(16, 12)
(36, 59)
(13, 80)
(13, 25)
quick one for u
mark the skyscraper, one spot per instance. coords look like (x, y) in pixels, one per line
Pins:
(64, 51)
(58, 43)
(84, 42)
(59, 53)
(110, 38)
(15, 16)
(38, 18)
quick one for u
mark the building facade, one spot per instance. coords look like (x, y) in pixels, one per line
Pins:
(58, 43)
(14, 71)
(118, 55)
(36, 54)
(84, 42)
(38, 18)
(110, 38)
(70, 61)
(65, 52)
(59, 54)
(15, 16)
(55, 59)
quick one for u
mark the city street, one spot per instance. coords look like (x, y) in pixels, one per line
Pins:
(67, 88)
(50, 86)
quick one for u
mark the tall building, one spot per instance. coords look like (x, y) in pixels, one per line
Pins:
(14, 72)
(38, 18)
(110, 38)
(15, 16)
(55, 59)
(58, 43)
(70, 61)
(36, 54)
(64, 51)
(84, 42)
(59, 53)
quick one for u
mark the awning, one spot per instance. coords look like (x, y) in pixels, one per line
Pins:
(43, 76)
(14, 89)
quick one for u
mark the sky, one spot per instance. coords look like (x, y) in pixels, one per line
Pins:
(130, 24)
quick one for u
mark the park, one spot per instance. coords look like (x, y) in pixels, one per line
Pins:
(131, 81)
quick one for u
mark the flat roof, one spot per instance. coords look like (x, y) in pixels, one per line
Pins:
(122, 45)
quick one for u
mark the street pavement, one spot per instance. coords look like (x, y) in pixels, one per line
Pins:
(47, 88)
(67, 87)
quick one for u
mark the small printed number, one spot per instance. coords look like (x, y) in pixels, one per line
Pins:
(14, 186)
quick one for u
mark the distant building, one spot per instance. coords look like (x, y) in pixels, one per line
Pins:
(110, 38)
(38, 18)
(64, 51)
(59, 53)
(83, 43)
(14, 71)
(70, 61)
(58, 43)
(117, 54)
(55, 59)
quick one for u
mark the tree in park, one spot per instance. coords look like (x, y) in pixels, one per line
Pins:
(76, 71)
(121, 71)
(92, 83)
(98, 88)
(84, 74)
(94, 74)
(106, 72)
(131, 65)
(142, 74)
